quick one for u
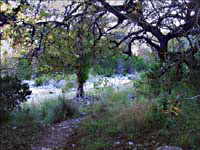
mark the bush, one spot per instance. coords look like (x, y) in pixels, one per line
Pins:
(170, 92)
(24, 70)
(12, 94)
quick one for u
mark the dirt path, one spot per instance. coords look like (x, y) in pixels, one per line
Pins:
(55, 136)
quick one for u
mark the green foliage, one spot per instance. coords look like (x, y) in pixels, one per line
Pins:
(181, 129)
(24, 70)
(108, 65)
(189, 123)
(42, 79)
(137, 62)
(43, 68)
(115, 116)
(83, 72)
(69, 53)
(71, 83)
(172, 113)
(106, 71)
(46, 77)
(48, 111)
(12, 94)
(59, 76)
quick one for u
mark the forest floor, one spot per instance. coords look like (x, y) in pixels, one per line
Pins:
(38, 137)
(54, 137)
(19, 138)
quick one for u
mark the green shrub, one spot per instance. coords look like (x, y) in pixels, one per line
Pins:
(12, 94)
(24, 70)
(101, 70)
(39, 81)
(59, 76)
(170, 90)
(42, 79)
(188, 124)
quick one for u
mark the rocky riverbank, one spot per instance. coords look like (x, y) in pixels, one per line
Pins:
(53, 89)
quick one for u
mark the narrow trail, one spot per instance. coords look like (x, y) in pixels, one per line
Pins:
(55, 136)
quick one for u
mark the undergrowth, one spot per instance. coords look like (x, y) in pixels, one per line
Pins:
(116, 121)
(47, 111)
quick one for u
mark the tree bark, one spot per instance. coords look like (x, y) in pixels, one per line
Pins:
(80, 90)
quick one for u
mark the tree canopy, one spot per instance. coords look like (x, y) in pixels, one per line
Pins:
(154, 22)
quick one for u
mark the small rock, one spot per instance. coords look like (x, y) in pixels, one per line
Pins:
(116, 143)
(130, 143)
(157, 144)
(131, 96)
(60, 84)
(131, 77)
(169, 148)
(153, 142)
(52, 128)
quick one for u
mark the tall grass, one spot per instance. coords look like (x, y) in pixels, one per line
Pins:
(47, 111)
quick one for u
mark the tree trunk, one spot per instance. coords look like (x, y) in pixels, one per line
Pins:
(80, 90)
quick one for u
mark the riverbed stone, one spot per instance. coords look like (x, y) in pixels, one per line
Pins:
(60, 84)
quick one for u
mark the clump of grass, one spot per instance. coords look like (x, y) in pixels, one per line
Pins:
(113, 116)
(48, 111)
(58, 110)
(134, 117)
